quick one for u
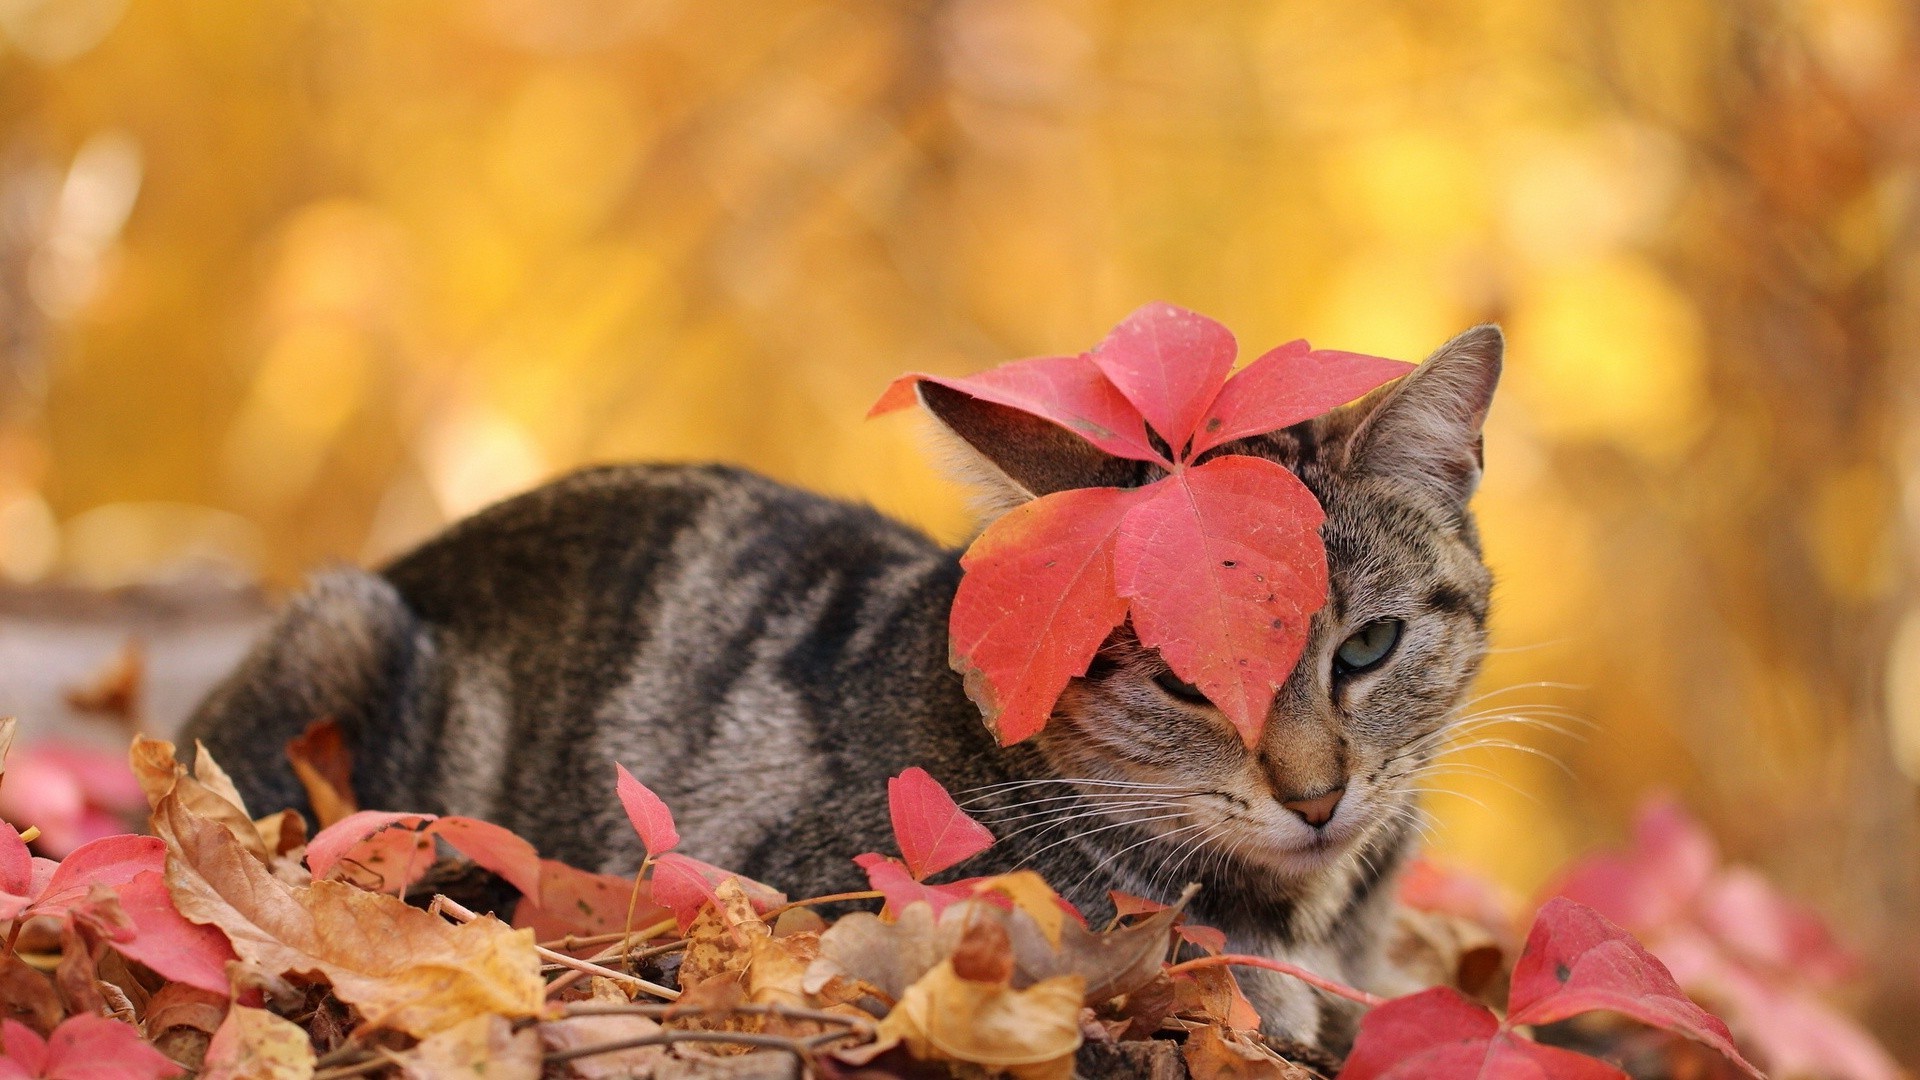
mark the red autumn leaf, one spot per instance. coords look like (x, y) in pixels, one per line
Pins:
(684, 885)
(575, 901)
(83, 1048)
(1438, 1034)
(1126, 904)
(1223, 567)
(1045, 583)
(892, 879)
(1067, 390)
(1170, 364)
(398, 848)
(109, 861)
(1206, 938)
(165, 941)
(1671, 861)
(650, 817)
(1287, 385)
(1036, 602)
(933, 832)
(16, 872)
(1577, 960)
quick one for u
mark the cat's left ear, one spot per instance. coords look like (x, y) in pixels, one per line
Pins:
(1425, 429)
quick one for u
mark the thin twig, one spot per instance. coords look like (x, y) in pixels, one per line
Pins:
(869, 894)
(572, 942)
(461, 914)
(1305, 976)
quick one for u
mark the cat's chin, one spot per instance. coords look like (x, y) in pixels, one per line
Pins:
(1297, 856)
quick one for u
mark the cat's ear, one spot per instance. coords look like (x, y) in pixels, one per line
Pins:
(1014, 456)
(1424, 429)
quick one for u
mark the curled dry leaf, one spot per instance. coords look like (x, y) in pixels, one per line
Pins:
(1430, 948)
(28, 996)
(160, 772)
(1224, 1054)
(478, 1048)
(320, 760)
(1031, 1034)
(254, 1044)
(400, 966)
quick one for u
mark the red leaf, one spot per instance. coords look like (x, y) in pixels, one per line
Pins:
(1744, 911)
(1576, 961)
(1287, 385)
(650, 817)
(684, 885)
(493, 848)
(891, 878)
(1209, 940)
(16, 871)
(109, 861)
(934, 833)
(1036, 602)
(332, 843)
(1170, 363)
(1671, 861)
(166, 942)
(1125, 904)
(1224, 567)
(1440, 1035)
(574, 901)
(84, 1048)
(1067, 390)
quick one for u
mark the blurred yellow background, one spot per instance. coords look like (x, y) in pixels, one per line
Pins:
(287, 282)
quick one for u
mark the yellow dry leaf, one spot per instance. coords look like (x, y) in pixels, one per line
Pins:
(254, 1044)
(478, 1048)
(1031, 894)
(400, 966)
(722, 936)
(159, 772)
(1031, 1033)
(1231, 1055)
(208, 772)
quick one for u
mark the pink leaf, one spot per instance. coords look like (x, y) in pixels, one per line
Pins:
(24, 1048)
(1224, 568)
(1036, 602)
(114, 860)
(1439, 1035)
(16, 864)
(1170, 363)
(574, 901)
(1671, 861)
(336, 840)
(1576, 961)
(1287, 385)
(892, 879)
(166, 942)
(1067, 390)
(1746, 913)
(96, 1048)
(650, 817)
(493, 848)
(934, 833)
(1208, 939)
(684, 885)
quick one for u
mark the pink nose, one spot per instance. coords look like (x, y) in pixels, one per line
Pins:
(1318, 810)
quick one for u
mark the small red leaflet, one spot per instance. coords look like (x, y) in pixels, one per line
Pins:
(1219, 563)
(680, 883)
(1575, 961)
(650, 817)
(398, 848)
(933, 834)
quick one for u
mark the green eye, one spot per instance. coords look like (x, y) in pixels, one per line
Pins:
(1367, 648)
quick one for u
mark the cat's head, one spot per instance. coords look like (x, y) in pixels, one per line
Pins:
(1389, 656)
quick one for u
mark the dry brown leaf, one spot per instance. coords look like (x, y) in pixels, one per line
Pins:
(26, 995)
(722, 936)
(1431, 948)
(1212, 996)
(181, 1021)
(1214, 1054)
(478, 1048)
(320, 759)
(284, 833)
(160, 772)
(254, 1044)
(115, 690)
(1030, 1033)
(8, 725)
(208, 772)
(400, 966)
(579, 1031)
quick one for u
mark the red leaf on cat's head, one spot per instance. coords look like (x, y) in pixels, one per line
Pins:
(1289, 384)
(934, 833)
(1017, 656)
(1170, 363)
(1067, 390)
(650, 817)
(1223, 568)
(1045, 583)
(1577, 960)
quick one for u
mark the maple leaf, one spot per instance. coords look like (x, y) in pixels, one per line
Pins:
(1219, 563)
(400, 848)
(1575, 961)
(82, 1048)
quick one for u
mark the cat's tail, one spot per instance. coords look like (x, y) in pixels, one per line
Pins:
(347, 649)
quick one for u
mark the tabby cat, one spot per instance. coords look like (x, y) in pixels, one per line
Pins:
(765, 658)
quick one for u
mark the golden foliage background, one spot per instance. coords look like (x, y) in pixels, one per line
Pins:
(284, 282)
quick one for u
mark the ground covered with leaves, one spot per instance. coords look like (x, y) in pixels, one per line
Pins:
(240, 947)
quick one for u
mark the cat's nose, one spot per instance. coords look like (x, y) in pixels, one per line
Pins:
(1318, 810)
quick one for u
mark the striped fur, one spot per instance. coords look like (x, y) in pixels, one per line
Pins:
(765, 659)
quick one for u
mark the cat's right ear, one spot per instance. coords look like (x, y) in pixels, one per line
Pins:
(1013, 456)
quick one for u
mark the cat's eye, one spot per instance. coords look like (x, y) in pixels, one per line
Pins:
(1179, 688)
(1367, 648)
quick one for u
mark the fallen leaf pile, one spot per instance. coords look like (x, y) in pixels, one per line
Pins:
(242, 949)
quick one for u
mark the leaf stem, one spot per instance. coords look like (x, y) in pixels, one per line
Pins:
(1281, 966)
(866, 894)
(461, 914)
